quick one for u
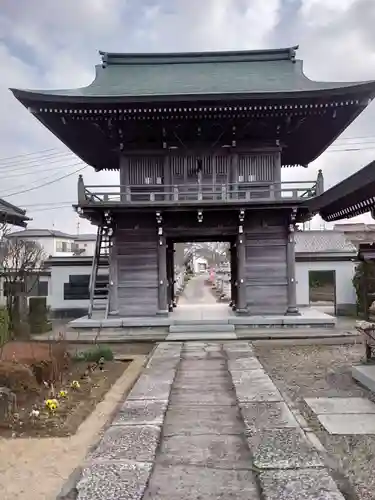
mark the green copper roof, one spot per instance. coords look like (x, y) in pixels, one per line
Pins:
(196, 75)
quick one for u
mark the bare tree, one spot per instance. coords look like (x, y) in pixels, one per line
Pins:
(21, 262)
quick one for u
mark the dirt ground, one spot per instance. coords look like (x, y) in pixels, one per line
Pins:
(36, 469)
(324, 371)
(73, 408)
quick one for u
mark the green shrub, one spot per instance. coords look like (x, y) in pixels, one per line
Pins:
(38, 317)
(93, 355)
(4, 325)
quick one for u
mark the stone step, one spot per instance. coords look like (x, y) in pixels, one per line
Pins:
(201, 328)
(187, 336)
(202, 322)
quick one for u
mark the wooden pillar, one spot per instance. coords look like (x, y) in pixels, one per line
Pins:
(365, 291)
(233, 280)
(113, 278)
(292, 309)
(241, 267)
(234, 176)
(162, 267)
(277, 177)
(167, 178)
(170, 274)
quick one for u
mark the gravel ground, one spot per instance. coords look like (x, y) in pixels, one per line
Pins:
(324, 371)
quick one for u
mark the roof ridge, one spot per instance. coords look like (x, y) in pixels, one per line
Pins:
(123, 58)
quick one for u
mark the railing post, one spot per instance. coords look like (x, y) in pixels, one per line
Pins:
(320, 183)
(272, 191)
(175, 193)
(128, 194)
(223, 192)
(81, 190)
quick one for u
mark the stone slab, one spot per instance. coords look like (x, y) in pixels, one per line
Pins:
(237, 346)
(113, 481)
(203, 355)
(225, 452)
(253, 386)
(348, 424)
(195, 483)
(244, 364)
(141, 412)
(365, 375)
(298, 485)
(267, 415)
(151, 387)
(128, 443)
(202, 397)
(195, 327)
(202, 322)
(188, 336)
(340, 405)
(199, 375)
(193, 365)
(202, 385)
(221, 420)
(282, 449)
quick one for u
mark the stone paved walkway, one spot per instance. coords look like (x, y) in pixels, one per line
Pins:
(205, 421)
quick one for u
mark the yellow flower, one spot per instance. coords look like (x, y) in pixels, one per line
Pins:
(63, 394)
(52, 404)
(75, 384)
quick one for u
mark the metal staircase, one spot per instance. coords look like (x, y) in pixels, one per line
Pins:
(99, 288)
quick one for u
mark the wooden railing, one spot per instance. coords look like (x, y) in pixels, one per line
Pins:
(190, 194)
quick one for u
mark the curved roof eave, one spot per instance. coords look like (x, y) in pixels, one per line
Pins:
(75, 96)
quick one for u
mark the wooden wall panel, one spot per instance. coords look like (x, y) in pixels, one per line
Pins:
(137, 272)
(258, 167)
(266, 273)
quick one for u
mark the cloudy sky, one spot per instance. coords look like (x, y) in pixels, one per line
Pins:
(54, 44)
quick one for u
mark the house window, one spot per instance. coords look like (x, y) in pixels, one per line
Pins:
(63, 246)
(78, 286)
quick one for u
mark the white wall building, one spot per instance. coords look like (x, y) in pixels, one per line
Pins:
(85, 243)
(326, 252)
(58, 244)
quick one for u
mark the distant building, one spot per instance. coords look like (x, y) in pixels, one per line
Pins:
(57, 243)
(328, 257)
(85, 244)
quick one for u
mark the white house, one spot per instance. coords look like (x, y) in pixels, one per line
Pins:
(54, 243)
(69, 284)
(85, 243)
(331, 255)
(58, 244)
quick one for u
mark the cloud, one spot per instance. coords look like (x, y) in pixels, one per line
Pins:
(48, 44)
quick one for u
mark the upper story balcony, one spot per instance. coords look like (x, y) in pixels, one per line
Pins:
(202, 194)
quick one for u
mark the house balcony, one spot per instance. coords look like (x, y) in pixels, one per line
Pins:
(197, 194)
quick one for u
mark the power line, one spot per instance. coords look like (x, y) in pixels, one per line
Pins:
(44, 184)
(35, 161)
(39, 171)
(27, 154)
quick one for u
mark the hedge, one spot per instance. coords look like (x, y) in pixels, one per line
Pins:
(4, 325)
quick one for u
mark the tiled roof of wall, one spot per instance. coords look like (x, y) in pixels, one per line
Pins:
(323, 242)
